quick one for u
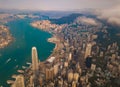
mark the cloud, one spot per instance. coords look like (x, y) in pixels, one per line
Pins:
(112, 15)
(86, 20)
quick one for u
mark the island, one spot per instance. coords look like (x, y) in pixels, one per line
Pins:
(5, 36)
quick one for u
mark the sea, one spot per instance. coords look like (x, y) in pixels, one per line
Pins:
(18, 53)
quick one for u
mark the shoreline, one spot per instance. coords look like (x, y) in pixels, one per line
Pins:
(54, 39)
(6, 37)
(56, 45)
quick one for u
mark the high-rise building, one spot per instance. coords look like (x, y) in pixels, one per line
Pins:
(101, 54)
(69, 57)
(35, 66)
(70, 77)
(41, 82)
(75, 77)
(65, 64)
(19, 82)
(88, 50)
(35, 62)
(93, 67)
(60, 82)
(56, 69)
(31, 82)
(65, 84)
(74, 84)
(49, 74)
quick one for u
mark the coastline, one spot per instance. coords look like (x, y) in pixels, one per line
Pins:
(17, 46)
(54, 39)
(5, 37)
(49, 40)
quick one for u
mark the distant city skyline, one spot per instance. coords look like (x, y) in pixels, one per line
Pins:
(58, 4)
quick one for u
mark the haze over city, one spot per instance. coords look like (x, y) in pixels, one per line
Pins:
(58, 4)
(105, 9)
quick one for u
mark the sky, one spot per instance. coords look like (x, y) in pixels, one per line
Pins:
(106, 9)
(58, 4)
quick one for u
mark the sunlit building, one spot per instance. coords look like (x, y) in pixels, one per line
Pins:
(19, 82)
(35, 62)
(88, 50)
(49, 74)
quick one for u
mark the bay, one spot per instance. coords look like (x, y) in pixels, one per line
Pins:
(15, 55)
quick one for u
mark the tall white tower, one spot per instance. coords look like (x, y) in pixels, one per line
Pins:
(35, 62)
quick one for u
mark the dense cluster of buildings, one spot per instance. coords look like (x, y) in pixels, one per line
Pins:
(78, 61)
(5, 36)
(47, 25)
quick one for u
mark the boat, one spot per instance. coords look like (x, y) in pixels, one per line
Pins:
(8, 60)
(28, 63)
(24, 67)
(20, 71)
(10, 82)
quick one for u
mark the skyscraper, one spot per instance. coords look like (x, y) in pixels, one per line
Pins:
(35, 62)
(88, 50)
(55, 69)
(49, 73)
(70, 57)
(70, 77)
